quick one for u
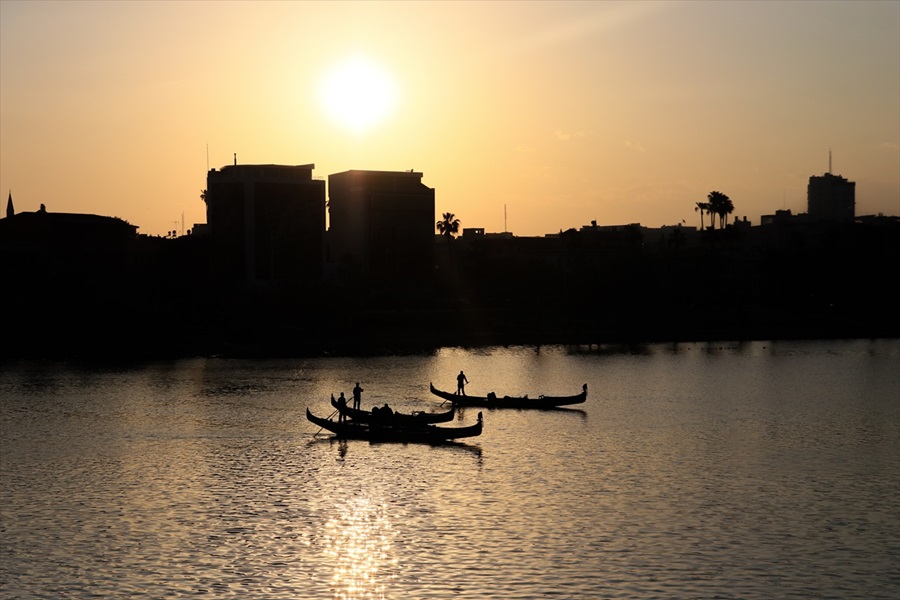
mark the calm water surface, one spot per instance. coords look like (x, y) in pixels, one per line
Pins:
(758, 470)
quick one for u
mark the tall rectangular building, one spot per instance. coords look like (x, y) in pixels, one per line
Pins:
(266, 222)
(831, 198)
(382, 223)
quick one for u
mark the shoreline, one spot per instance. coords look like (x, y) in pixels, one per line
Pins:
(422, 333)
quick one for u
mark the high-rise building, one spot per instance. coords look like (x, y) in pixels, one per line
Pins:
(266, 222)
(831, 198)
(381, 224)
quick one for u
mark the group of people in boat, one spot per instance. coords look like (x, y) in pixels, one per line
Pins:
(382, 413)
(385, 412)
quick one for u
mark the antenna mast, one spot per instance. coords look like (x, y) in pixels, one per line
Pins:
(504, 218)
(829, 161)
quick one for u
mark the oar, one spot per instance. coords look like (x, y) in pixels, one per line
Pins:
(445, 400)
(457, 394)
(321, 428)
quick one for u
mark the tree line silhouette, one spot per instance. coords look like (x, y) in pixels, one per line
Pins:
(717, 205)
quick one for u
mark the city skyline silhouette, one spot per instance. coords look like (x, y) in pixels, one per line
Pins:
(526, 117)
(264, 277)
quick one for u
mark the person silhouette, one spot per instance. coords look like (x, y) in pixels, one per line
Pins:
(342, 405)
(357, 396)
(461, 382)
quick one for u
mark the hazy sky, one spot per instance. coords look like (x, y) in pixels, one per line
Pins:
(556, 113)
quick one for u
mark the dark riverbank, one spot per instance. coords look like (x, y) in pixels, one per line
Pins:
(167, 303)
(108, 327)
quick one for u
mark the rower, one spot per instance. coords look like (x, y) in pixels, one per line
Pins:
(357, 396)
(342, 408)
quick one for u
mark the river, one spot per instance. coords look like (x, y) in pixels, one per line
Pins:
(715, 470)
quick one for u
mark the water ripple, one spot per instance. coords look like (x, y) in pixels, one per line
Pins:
(739, 473)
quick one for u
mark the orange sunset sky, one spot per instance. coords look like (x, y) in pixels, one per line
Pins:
(558, 113)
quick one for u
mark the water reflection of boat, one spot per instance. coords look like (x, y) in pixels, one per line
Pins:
(494, 401)
(344, 446)
(387, 431)
(414, 418)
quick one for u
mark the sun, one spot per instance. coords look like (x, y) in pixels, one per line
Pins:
(357, 94)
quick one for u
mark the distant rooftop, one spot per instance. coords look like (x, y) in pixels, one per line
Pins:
(262, 172)
(309, 167)
(409, 173)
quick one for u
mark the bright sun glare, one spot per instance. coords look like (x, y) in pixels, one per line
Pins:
(357, 94)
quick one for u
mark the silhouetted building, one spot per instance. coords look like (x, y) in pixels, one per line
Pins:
(382, 225)
(669, 237)
(74, 230)
(266, 222)
(47, 244)
(831, 198)
(779, 216)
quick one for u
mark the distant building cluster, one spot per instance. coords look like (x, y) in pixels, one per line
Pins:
(285, 265)
(267, 222)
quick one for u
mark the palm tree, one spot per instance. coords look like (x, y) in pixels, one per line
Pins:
(714, 202)
(701, 207)
(448, 225)
(727, 209)
(721, 206)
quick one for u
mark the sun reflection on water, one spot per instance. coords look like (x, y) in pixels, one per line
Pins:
(359, 540)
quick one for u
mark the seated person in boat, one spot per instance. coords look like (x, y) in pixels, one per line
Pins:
(382, 414)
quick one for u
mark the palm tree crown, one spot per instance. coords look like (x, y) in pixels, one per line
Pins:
(448, 225)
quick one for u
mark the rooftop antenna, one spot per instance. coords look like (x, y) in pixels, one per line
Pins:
(235, 159)
(504, 219)
(829, 161)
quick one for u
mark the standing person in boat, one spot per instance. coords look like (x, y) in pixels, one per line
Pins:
(357, 396)
(461, 382)
(342, 404)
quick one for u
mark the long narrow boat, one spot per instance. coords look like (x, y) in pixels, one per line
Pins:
(494, 401)
(414, 418)
(383, 432)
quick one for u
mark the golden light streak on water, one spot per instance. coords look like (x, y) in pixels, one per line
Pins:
(359, 541)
